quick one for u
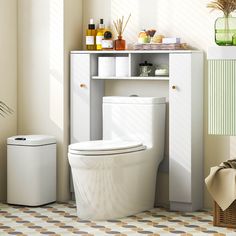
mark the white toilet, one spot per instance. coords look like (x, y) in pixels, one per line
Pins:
(116, 176)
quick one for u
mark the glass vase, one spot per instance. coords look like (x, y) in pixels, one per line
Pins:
(225, 30)
(119, 43)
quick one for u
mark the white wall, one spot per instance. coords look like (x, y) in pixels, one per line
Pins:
(47, 33)
(191, 21)
(95, 9)
(48, 30)
(8, 80)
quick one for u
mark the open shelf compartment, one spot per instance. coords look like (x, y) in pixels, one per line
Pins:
(157, 60)
(134, 59)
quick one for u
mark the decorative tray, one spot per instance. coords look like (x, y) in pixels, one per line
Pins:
(160, 46)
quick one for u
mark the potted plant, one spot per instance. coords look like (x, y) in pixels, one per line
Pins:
(4, 109)
(225, 27)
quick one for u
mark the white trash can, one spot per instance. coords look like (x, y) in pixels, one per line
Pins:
(31, 170)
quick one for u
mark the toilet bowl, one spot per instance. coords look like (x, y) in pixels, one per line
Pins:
(116, 177)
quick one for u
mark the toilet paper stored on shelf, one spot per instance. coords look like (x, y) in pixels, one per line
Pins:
(122, 68)
(106, 66)
(113, 66)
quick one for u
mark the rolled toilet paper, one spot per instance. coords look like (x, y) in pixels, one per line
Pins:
(122, 66)
(106, 66)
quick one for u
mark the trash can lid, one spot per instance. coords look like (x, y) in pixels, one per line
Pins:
(31, 140)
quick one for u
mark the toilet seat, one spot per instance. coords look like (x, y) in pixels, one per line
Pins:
(105, 147)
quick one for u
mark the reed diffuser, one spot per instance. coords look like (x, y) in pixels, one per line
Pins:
(120, 27)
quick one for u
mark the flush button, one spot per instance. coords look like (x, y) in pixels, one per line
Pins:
(20, 139)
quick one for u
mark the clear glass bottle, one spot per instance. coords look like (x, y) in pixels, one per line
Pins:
(119, 43)
(234, 39)
(225, 28)
(100, 35)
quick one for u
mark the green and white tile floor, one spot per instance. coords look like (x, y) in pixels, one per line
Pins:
(60, 219)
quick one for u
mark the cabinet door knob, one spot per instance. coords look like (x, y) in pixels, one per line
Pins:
(173, 87)
(82, 85)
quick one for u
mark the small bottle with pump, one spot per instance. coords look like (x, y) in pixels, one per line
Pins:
(107, 42)
(91, 36)
(100, 35)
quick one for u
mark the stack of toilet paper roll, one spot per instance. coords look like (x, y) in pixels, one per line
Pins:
(113, 66)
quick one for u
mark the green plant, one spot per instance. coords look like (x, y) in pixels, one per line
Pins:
(4, 109)
(226, 6)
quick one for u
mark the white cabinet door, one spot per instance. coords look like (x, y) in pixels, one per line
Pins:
(80, 98)
(180, 128)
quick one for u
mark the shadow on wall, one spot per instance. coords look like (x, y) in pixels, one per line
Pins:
(185, 19)
(142, 16)
(5, 131)
(56, 54)
(3, 172)
(42, 89)
(232, 147)
(58, 111)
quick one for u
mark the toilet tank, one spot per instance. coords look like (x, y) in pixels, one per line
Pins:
(134, 118)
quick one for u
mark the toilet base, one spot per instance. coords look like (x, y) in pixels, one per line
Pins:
(113, 186)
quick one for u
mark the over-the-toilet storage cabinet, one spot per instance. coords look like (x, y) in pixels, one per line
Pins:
(185, 113)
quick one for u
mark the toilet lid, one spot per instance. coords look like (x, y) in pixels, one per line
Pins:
(105, 147)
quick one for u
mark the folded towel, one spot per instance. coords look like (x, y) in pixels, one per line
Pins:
(221, 183)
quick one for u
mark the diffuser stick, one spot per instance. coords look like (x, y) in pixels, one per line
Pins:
(126, 23)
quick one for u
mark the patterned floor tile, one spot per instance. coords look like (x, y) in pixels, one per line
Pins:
(60, 219)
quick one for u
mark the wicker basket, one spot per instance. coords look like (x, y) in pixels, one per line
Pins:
(225, 218)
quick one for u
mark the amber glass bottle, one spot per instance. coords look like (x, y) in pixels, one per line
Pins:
(91, 36)
(119, 43)
(107, 42)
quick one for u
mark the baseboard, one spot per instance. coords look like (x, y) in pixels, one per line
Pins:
(180, 206)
